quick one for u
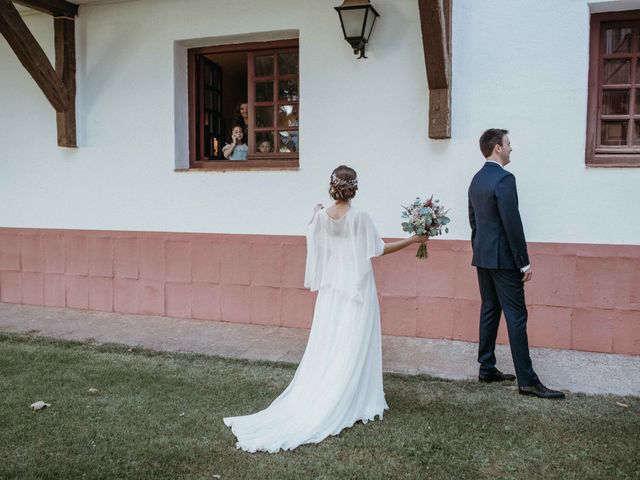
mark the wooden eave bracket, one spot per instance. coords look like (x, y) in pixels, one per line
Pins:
(57, 8)
(435, 22)
(59, 84)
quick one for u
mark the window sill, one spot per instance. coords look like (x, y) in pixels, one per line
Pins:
(613, 161)
(241, 165)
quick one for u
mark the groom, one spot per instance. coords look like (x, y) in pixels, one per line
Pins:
(500, 256)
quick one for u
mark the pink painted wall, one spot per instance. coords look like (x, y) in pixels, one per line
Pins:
(583, 297)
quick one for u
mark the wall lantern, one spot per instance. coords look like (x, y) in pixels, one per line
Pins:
(357, 18)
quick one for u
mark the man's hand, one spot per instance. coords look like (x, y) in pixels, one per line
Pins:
(526, 276)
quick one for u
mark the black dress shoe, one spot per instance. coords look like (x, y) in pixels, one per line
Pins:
(541, 391)
(497, 376)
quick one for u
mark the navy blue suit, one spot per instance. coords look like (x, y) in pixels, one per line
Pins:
(499, 252)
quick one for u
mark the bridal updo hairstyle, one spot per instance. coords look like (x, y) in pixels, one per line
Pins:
(343, 184)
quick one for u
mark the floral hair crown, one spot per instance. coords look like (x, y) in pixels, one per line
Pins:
(339, 181)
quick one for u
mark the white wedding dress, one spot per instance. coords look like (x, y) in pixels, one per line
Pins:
(339, 380)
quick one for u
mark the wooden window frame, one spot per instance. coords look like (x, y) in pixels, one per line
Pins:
(275, 78)
(276, 160)
(611, 156)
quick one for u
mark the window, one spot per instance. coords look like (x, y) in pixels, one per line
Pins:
(261, 77)
(613, 123)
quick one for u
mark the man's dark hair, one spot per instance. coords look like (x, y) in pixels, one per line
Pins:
(490, 139)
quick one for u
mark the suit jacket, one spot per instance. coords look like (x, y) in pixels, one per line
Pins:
(497, 236)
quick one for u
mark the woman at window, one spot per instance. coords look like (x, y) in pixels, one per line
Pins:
(241, 116)
(237, 149)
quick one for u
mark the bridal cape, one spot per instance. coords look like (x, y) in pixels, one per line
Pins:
(339, 379)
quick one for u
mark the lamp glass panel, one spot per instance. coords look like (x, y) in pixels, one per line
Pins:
(352, 20)
(371, 17)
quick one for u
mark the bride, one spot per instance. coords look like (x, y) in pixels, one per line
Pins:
(339, 379)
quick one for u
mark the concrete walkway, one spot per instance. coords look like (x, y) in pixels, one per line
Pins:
(594, 373)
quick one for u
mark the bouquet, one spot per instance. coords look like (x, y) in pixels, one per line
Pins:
(425, 217)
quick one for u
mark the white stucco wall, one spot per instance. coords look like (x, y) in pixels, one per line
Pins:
(517, 64)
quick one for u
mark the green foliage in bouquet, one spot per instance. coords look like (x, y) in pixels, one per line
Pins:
(425, 217)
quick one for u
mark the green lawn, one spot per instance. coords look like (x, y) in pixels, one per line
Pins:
(159, 415)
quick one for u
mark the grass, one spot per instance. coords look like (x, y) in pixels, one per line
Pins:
(159, 415)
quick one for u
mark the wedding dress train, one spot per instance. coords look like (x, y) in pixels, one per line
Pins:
(339, 380)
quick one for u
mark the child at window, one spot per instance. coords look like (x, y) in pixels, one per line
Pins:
(265, 146)
(237, 149)
(288, 142)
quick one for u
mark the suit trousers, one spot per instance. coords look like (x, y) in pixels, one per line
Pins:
(503, 291)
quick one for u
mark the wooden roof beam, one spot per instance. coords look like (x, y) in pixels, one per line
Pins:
(57, 8)
(59, 84)
(435, 23)
(31, 55)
